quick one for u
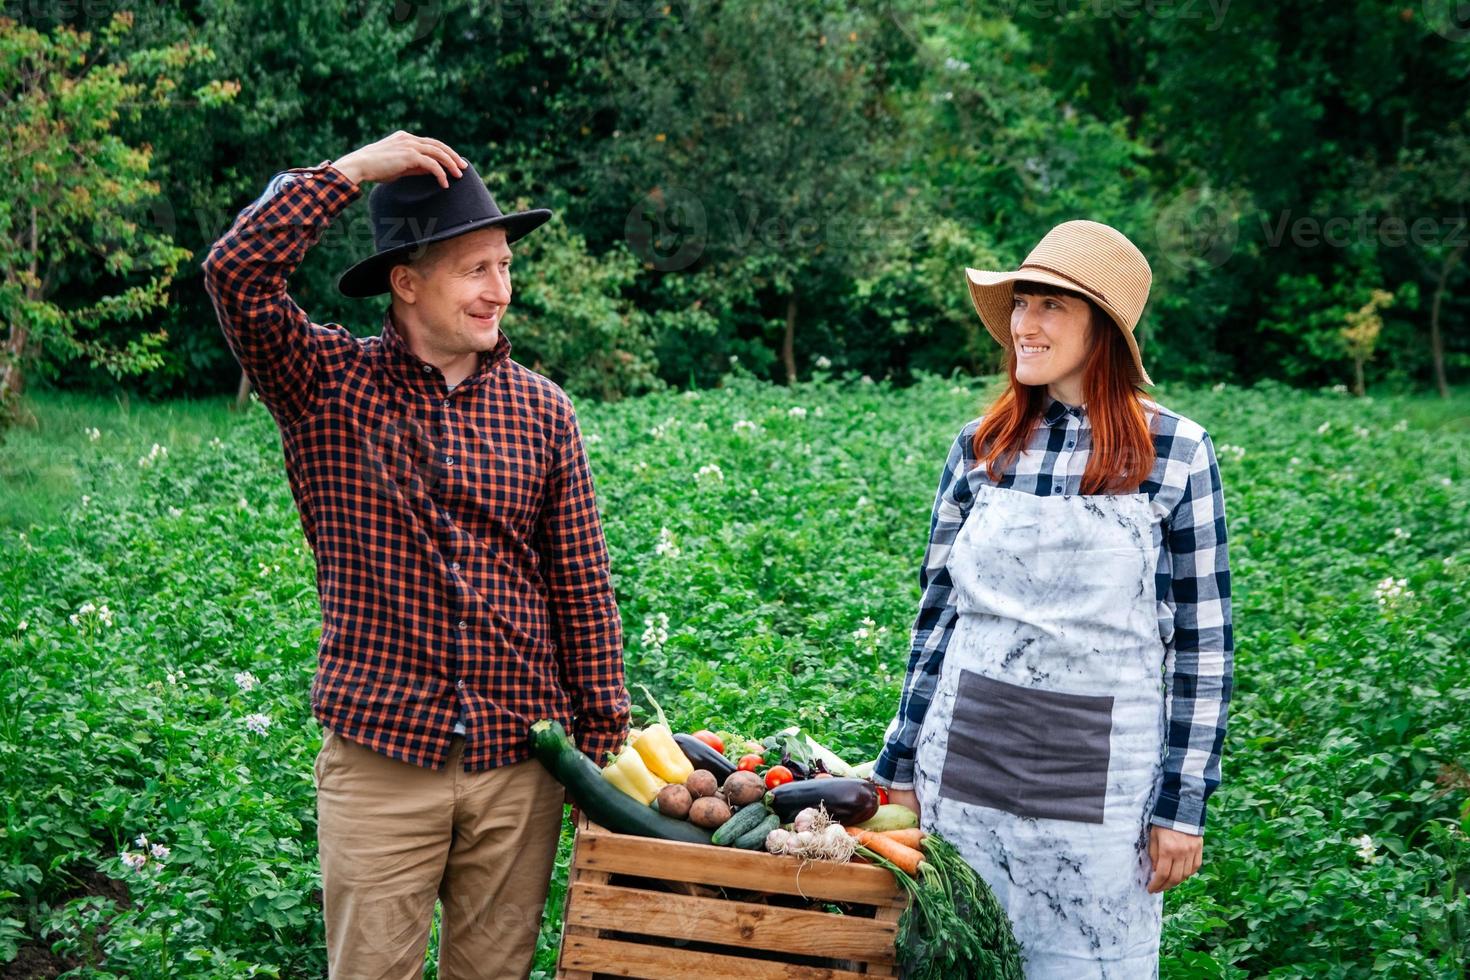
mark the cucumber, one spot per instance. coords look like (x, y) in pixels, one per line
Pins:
(745, 819)
(603, 802)
(755, 840)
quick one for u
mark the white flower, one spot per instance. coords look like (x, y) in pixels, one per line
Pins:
(160, 851)
(592, 439)
(711, 470)
(268, 569)
(100, 613)
(216, 443)
(154, 455)
(866, 379)
(86, 499)
(745, 425)
(667, 547)
(1366, 848)
(1339, 389)
(134, 861)
(640, 466)
(691, 395)
(955, 64)
(957, 390)
(1361, 432)
(23, 625)
(1236, 452)
(862, 502)
(660, 430)
(1296, 461)
(656, 630)
(1446, 480)
(243, 504)
(734, 360)
(1322, 429)
(1391, 589)
(245, 680)
(175, 512)
(1218, 387)
(258, 722)
(823, 362)
(869, 630)
(141, 840)
(1401, 534)
(1402, 425)
(93, 434)
(796, 412)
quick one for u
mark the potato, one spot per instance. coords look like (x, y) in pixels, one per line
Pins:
(702, 782)
(743, 787)
(709, 812)
(673, 801)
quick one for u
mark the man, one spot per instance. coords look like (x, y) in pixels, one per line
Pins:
(461, 566)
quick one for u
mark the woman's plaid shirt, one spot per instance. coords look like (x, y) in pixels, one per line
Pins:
(460, 560)
(1191, 579)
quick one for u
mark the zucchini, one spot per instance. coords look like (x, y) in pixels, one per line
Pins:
(755, 840)
(745, 819)
(603, 802)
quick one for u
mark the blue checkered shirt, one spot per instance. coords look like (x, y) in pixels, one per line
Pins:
(1192, 581)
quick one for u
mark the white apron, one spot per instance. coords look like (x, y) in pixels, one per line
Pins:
(1041, 750)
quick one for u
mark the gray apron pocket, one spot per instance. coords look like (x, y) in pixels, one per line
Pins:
(1031, 753)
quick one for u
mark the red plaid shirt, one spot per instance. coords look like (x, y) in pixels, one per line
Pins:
(460, 559)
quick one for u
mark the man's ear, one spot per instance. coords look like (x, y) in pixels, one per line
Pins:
(404, 283)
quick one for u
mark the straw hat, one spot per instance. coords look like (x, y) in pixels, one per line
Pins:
(1084, 256)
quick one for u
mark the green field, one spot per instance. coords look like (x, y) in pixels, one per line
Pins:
(765, 544)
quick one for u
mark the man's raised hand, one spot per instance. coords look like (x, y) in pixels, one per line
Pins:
(401, 155)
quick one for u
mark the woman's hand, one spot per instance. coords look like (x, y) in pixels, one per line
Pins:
(904, 797)
(1175, 856)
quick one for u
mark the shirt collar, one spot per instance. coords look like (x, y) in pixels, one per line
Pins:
(1056, 411)
(397, 349)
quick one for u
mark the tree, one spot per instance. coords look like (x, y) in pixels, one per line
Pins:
(75, 194)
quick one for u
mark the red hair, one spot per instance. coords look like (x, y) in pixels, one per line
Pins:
(1122, 454)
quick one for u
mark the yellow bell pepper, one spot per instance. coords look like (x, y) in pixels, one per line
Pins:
(629, 774)
(662, 753)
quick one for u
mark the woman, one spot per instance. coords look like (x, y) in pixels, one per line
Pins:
(1076, 559)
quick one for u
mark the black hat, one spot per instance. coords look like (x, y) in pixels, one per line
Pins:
(414, 211)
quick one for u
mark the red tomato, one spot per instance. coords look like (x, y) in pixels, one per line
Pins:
(882, 795)
(711, 739)
(777, 776)
(749, 762)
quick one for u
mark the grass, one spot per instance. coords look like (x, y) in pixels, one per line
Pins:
(1350, 550)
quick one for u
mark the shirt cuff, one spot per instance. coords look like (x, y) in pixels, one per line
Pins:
(1175, 814)
(893, 772)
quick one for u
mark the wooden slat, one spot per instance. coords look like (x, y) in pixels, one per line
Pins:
(889, 914)
(576, 877)
(622, 959)
(768, 927)
(599, 850)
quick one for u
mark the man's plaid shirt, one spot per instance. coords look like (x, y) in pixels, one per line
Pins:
(1191, 579)
(460, 560)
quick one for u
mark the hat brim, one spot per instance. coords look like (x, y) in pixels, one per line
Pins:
(370, 276)
(993, 296)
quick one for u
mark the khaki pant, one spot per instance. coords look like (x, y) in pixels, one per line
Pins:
(393, 837)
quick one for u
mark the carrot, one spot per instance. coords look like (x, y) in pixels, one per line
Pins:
(904, 857)
(910, 837)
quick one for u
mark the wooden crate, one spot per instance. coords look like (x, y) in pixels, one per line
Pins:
(662, 910)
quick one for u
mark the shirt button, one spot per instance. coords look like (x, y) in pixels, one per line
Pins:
(1071, 444)
(463, 625)
(1057, 488)
(446, 403)
(454, 566)
(428, 368)
(448, 460)
(459, 684)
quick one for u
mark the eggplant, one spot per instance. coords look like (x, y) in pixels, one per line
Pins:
(849, 801)
(702, 756)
